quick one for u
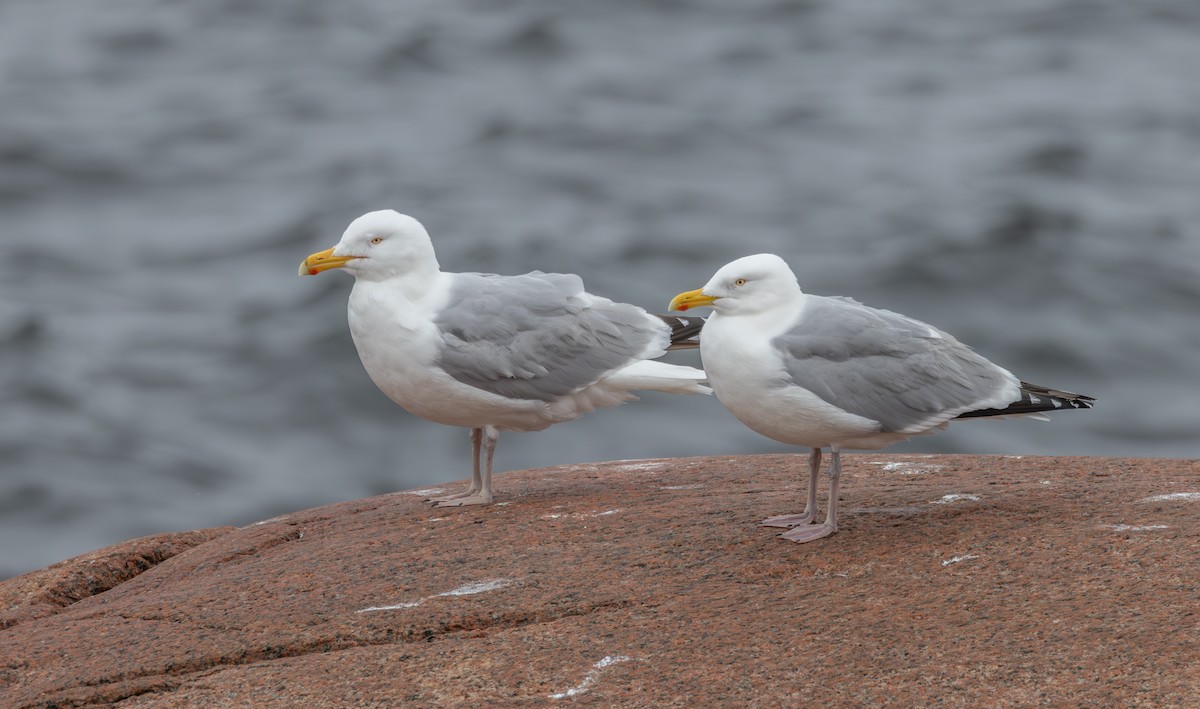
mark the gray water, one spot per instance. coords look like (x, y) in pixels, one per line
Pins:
(1025, 175)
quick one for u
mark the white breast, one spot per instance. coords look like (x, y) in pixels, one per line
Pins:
(747, 375)
(398, 342)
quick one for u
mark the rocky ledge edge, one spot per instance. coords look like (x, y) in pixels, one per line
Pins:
(963, 579)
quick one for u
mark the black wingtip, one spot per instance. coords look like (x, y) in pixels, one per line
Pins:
(685, 331)
(1037, 399)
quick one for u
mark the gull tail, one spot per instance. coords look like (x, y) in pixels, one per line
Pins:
(685, 331)
(651, 375)
(1035, 400)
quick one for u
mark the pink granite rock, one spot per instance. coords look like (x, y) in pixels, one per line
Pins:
(954, 579)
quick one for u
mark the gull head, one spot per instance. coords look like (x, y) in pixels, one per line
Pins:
(747, 286)
(377, 246)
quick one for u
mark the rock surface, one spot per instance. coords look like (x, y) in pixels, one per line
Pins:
(954, 579)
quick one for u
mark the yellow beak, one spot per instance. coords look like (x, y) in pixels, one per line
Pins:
(323, 261)
(690, 299)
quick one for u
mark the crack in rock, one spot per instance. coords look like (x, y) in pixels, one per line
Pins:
(94, 573)
(113, 689)
(290, 536)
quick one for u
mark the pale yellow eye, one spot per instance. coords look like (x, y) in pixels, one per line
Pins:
(376, 241)
(740, 282)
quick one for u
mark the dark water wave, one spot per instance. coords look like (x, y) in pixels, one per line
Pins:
(1021, 174)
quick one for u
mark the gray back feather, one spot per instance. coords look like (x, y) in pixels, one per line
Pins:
(535, 336)
(882, 365)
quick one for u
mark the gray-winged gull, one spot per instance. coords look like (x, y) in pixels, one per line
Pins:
(493, 353)
(831, 372)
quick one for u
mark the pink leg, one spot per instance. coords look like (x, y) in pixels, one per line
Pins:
(483, 493)
(810, 507)
(476, 480)
(813, 532)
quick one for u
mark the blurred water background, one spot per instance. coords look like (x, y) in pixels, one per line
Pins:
(1025, 175)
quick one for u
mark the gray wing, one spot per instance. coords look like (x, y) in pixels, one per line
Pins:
(538, 336)
(884, 366)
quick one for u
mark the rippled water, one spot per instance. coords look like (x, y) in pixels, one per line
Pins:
(1022, 174)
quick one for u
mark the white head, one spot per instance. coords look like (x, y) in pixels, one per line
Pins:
(378, 246)
(747, 286)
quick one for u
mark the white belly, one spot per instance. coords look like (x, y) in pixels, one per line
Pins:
(398, 343)
(399, 349)
(748, 378)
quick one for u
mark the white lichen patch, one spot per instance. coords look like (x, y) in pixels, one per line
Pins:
(426, 492)
(634, 466)
(579, 515)
(592, 676)
(954, 497)
(477, 587)
(578, 468)
(695, 486)
(957, 559)
(398, 606)
(1134, 527)
(906, 468)
(467, 589)
(280, 518)
(1171, 496)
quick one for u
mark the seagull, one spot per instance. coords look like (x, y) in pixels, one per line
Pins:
(494, 353)
(822, 371)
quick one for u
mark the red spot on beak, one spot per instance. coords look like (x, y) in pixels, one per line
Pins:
(683, 307)
(313, 271)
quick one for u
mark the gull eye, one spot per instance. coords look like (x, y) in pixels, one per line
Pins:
(377, 241)
(740, 282)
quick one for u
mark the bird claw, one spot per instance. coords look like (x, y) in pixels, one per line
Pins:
(808, 533)
(435, 501)
(789, 520)
(475, 499)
